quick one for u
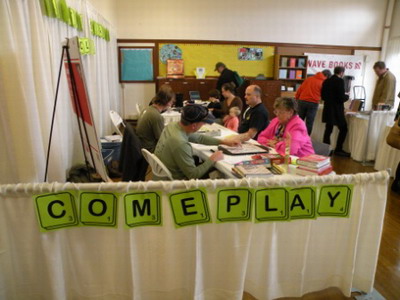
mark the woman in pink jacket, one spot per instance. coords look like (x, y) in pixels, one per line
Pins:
(287, 130)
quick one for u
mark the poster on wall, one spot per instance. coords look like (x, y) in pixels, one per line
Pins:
(250, 53)
(354, 64)
(170, 51)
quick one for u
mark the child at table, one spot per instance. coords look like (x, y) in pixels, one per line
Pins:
(231, 121)
(213, 97)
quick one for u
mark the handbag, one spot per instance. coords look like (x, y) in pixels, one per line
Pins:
(393, 138)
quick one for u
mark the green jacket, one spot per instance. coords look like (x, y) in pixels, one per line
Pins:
(149, 128)
(175, 151)
(385, 89)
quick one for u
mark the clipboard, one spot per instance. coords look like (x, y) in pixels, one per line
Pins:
(245, 149)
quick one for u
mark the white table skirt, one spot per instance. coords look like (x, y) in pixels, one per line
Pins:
(386, 157)
(357, 138)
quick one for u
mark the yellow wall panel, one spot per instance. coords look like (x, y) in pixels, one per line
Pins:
(207, 55)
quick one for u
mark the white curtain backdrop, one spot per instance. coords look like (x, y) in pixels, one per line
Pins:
(30, 52)
(393, 63)
(209, 261)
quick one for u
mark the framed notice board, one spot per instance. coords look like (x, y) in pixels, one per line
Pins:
(136, 64)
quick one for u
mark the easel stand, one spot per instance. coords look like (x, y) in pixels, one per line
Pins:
(79, 110)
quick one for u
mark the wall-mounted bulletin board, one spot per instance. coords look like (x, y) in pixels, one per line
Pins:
(207, 55)
(136, 64)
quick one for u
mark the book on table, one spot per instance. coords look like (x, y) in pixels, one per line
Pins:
(252, 170)
(273, 157)
(314, 161)
(244, 149)
(259, 161)
(300, 170)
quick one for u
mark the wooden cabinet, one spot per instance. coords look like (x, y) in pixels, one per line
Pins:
(271, 89)
(183, 86)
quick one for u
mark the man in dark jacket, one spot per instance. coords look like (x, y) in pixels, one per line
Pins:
(227, 76)
(334, 96)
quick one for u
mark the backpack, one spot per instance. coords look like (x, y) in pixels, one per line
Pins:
(239, 80)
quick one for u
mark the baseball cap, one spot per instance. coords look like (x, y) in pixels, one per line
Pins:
(196, 113)
(219, 64)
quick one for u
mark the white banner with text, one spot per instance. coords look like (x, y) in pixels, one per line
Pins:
(353, 64)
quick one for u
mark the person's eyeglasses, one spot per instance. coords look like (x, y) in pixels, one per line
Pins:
(280, 112)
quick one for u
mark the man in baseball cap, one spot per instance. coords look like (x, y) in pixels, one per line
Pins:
(175, 151)
(227, 76)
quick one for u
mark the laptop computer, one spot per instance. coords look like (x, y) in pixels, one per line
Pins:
(194, 95)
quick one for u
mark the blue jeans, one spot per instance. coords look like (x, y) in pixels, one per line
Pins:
(307, 111)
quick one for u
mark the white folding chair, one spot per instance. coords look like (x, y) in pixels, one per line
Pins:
(157, 167)
(118, 122)
(139, 109)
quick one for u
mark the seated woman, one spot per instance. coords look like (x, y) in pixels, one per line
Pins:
(151, 123)
(231, 100)
(287, 129)
(213, 97)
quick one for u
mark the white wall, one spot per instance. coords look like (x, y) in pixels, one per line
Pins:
(136, 93)
(107, 8)
(395, 28)
(339, 22)
(369, 80)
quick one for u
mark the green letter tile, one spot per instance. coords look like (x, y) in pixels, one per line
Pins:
(233, 205)
(272, 205)
(55, 211)
(143, 209)
(335, 201)
(190, 207)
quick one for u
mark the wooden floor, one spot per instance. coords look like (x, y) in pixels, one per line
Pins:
(387, 280)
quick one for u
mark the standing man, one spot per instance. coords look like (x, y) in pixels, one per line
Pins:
(227, 76)
(308, 96)
(255, 118)
(385, 86)
(334, 96)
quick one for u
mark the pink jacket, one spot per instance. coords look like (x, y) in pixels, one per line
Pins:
(232, 123)
(300, 141)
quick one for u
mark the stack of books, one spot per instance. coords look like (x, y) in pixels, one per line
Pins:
(314, 164)
(253, 168)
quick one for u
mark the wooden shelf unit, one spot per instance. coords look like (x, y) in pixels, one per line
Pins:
(291, 70)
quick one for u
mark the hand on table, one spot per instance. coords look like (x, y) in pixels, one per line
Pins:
(233, 141)
(271, 143)
(217, 156)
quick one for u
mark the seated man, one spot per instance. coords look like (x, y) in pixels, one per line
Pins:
(151, 123)
(174, 148)
(255, 118)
